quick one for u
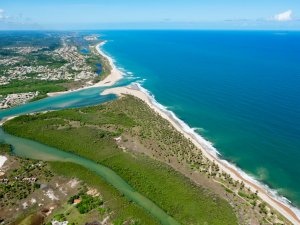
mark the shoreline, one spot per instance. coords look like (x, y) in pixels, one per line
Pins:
(4, 120)
(206, 148)
(114, 76)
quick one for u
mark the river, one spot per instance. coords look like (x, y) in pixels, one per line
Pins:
(34, 150)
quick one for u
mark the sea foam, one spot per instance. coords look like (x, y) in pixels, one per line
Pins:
(208, 146)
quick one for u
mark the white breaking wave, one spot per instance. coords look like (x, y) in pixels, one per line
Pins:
(208, 146)
(140, 81)
(198, 128)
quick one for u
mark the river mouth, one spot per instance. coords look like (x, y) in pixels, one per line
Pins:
(74, 99)
(86, 97)
(34, 150)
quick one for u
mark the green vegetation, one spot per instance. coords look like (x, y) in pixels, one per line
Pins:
(30, 85)
(29, 38)
(263, 208)
(104, 202)
(106, 68)
(119, 208)
(93, 59)
(60, 217)
(17, 187)
(5, 149)
(248, 196)
(40, 58)
(46, 42)
(47, 60)
(31, 64)
(87, 202)
(90, 132)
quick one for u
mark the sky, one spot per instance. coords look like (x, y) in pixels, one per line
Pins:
(150, 14)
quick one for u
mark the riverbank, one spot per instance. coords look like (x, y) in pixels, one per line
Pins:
(117, 131)
(114, 76)
(2, 121)
(38, 151)
(61, 183)
(180, 126)
(206, 148)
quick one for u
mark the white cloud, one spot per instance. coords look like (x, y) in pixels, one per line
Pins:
(3, 15)
(284, 16)
(8, 22)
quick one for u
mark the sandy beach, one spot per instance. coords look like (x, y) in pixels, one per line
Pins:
(2, 121)
(114, 76)
(264, 194)
(180, 126)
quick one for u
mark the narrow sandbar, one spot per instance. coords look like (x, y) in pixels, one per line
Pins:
(114, 76)
(137, 91)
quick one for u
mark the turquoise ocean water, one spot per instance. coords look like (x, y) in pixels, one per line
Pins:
(239, 90)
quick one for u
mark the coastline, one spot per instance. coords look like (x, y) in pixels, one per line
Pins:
(2, 121)
(203, 145)
(207, 149)
(114, 76)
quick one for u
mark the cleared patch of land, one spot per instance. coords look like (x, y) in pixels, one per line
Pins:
(37, 192)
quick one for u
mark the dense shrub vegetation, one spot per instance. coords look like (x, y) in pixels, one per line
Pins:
(90, 132)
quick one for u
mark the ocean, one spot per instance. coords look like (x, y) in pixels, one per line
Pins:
(240, 90)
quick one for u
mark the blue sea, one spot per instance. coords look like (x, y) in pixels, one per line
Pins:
(239, 89)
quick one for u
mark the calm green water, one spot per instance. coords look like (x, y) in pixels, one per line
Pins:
(34, 150)
(239, 90)
(76, 99)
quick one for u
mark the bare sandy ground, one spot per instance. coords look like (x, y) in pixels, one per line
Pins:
(117, 75)
(264, 194)
(2, 160)
(6, 119)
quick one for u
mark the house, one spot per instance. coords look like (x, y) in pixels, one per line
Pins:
(76, 201)
(59, 223)
(30, 179)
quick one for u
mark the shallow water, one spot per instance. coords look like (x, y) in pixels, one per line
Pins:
(240, 89)
(34, 150)
(81, 98)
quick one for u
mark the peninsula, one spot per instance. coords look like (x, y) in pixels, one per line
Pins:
(149, 148)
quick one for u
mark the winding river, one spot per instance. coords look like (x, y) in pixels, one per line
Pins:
(34, 150)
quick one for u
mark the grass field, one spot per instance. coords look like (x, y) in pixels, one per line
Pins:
(90, 132)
